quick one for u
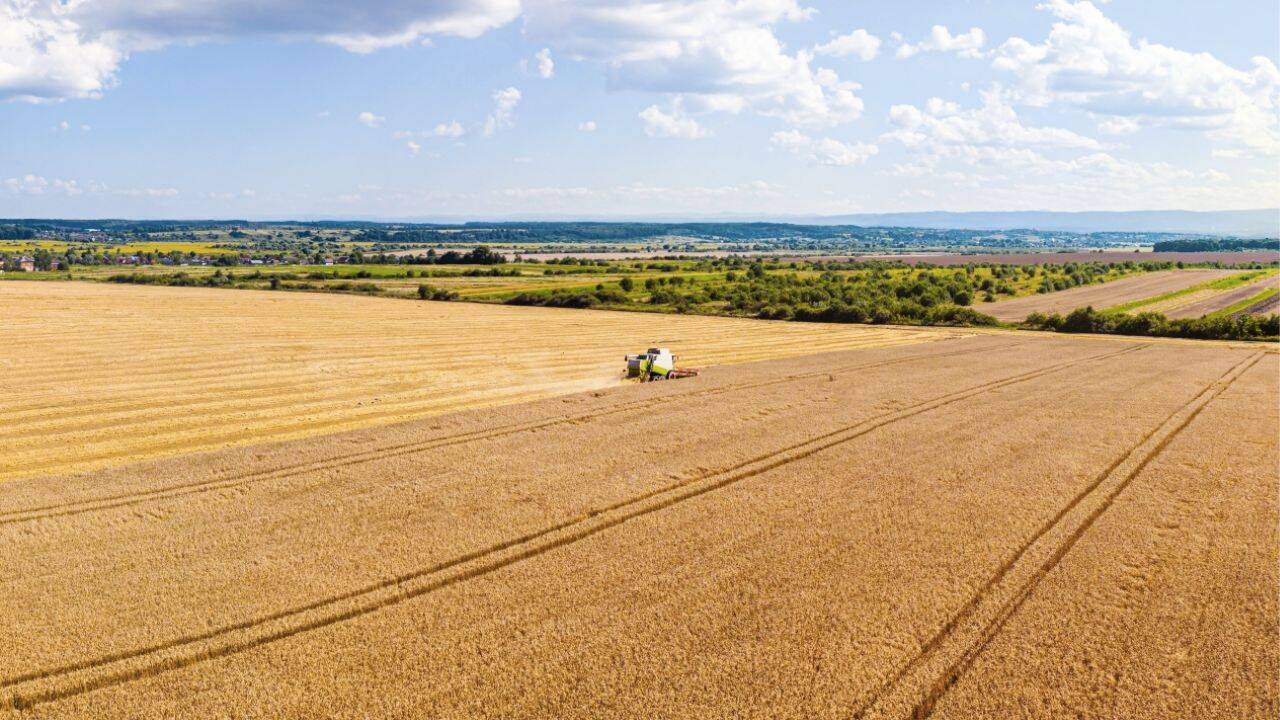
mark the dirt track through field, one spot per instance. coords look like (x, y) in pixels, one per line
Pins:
(837, 534)
(1101, 297)
(98, 374)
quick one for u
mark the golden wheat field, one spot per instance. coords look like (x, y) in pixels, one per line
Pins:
(93, 374)
(992, 525)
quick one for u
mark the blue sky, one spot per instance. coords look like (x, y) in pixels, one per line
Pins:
(503, 108)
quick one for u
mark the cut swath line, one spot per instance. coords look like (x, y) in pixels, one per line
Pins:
(91, 674)
(366, 456)
(985, 613)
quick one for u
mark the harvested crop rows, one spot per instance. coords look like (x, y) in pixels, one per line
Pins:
(1215, 302)
(98, 374)
(873, 533)
(1101, 297)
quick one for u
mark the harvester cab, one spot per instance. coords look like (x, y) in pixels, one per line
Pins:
(655, 364)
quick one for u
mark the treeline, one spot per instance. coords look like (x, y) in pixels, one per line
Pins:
(881, 297)
(1088, 320)
(1216, 244)
(476, 256)
(14, 232)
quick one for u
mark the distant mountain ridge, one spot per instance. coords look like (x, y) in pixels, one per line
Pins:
(1250, 223)
(1260, 223)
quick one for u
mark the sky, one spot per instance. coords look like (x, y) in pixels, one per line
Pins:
(485, 109)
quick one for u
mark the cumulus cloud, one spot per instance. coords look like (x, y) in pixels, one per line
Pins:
(587, 126)
(717, 55)
(451, 129)
(413, 147)
(369, 119)
(826, 150)
(673, 123)
(58, 50)
(944, 128)
(504, 107)
(859, 43)
(545, 65)
(44, 55)
(990, 150)
(1090, 62)
(968, 45)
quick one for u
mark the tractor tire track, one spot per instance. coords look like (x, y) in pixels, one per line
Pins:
(96, 673)
(365, 456)
(894, 693)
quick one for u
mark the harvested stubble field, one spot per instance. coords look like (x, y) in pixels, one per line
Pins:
(1197, 305)
(92, 374)
(999, 525)
(1101, 297)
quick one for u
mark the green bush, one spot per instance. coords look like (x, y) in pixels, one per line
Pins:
(1088, 320)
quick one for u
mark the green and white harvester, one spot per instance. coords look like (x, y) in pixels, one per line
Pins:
(656, 364)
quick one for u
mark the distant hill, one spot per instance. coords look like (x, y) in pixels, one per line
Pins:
(1249, 223)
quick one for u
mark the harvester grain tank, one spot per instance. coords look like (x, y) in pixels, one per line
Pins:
(656, 364)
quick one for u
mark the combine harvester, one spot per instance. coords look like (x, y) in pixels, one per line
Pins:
(656, 364)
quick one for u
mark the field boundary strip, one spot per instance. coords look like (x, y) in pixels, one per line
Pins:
(119, 668)
(1246, 305)
(1221, 284)
(365, 456)
(986, 612)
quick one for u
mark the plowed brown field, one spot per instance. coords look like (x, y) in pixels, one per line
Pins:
(1101, 297)
(1000, 526)
(93, 374)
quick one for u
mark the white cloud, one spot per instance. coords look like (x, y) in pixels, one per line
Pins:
(989, 154)
(36, 185)
(414, 148)
(1119, 126)
(153, 193)
(451, 129)
(587, 126)
(368, 119)
(968, 44)
(504, 107)
(674, 124)
(546, 66)
(640, 196)
(1090, 62)
(59, 50)
(943, 128)
(717, 55)
(44, 55)
(27, 185)
(859, 43)
(825, 151)
(32, 184)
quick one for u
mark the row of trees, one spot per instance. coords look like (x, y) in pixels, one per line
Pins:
(1217, 244)
(1088, 320)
